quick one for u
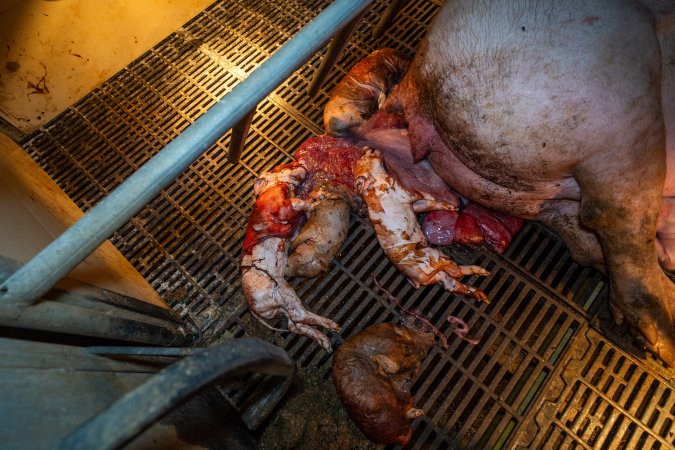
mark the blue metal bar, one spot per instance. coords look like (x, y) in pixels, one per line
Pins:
(63, 254)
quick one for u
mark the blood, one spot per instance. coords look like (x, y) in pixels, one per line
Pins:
(272, 216)
(493, 231)
(439, 227)
(467, 231)
(329, 160)
(473, 225)
(512, 224)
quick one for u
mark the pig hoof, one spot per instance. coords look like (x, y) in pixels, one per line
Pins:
(661, 348)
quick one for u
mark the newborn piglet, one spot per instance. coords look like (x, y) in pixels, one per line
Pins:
(375, 369)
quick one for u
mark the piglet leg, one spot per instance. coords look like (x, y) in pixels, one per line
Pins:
(269, 295)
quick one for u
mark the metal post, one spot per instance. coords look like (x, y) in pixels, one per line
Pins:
(337, 44)
(388, 16)
(64, 253)
(238, 138)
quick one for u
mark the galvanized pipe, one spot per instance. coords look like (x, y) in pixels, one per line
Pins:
(63, 254)
(95, 312)
(116, 323)
(388, 16)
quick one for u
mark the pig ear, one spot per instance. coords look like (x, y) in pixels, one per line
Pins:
(363, 90)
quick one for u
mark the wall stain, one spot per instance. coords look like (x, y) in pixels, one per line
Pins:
(39, 87)
(12, 66)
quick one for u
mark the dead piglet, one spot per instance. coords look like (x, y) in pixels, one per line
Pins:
(276, 215)
(373, 372)
(391, 209)
(329, 192)
(312, 251)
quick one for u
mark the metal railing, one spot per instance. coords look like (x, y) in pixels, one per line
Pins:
(37, 276)
(141, 407)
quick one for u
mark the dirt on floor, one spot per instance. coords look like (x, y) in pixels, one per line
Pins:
(312, 417)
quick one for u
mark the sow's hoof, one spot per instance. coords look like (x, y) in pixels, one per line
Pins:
(373, 372)
(650, 313)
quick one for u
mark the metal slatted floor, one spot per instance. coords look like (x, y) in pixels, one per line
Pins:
(550, 371)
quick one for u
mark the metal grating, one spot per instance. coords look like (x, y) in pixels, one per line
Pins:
(605, 399)
(549, 371)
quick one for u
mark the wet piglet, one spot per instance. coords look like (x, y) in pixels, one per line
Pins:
(373, 372)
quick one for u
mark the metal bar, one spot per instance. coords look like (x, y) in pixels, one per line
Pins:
(259, 410)
(337, 44)
(95, 312)
(64, 318)
(142, 351)
(64, 253)
(238, 138)
(78, 293)
(140, 408)
(388, 16)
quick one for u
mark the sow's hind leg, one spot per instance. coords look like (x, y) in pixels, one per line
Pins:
(622, 203)
(600, 117)
(622, 190)
(665, 234)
